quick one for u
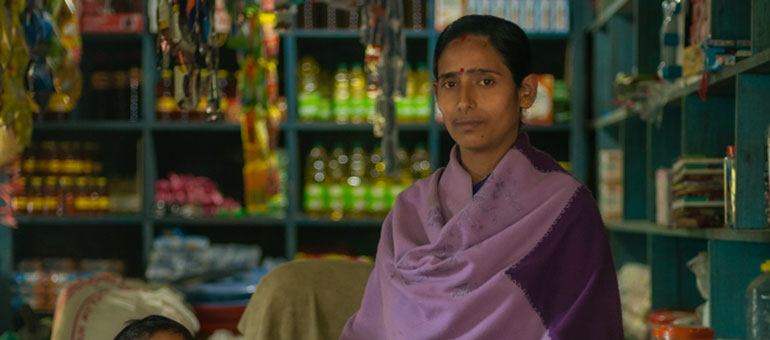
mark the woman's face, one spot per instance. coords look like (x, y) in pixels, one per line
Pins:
(477, 95)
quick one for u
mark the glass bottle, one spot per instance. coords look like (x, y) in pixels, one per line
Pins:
(50, 195)
(66, 201)
(103, 199)
(165, 105)
(134, 81)
(35, 197)
(82, 196)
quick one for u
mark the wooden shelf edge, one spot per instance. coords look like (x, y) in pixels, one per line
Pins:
(722, 234)
(607, 14)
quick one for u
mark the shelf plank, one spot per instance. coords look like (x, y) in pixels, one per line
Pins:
(80, 220)
(724, 234)
(198, 126)
(410, 34)
(535, 128)
(350, 34)
(619, 6)
(88, 126)
(348, 222)
(111, 37)
(759, 63)
(721, 82)
(334, 127)
(614, 117)
(248, 221)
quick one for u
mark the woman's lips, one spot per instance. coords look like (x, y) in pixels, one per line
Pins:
(467, 124)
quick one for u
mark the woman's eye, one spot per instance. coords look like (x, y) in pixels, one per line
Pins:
(487, 82)
(449, 84)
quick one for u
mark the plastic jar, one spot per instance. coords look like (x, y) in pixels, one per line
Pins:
(670, 332)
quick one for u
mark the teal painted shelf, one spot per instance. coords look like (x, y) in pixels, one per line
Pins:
(613, 117)
(536, 128)
(112, 37)
(88, 126)
(348, 222)
(333, 127)
(111, 220)
(197, 126)
(350, 34)
(722, 234)
(615, 8)
(721, 82)
(248, 221)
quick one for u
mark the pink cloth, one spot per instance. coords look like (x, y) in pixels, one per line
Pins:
(525, 258)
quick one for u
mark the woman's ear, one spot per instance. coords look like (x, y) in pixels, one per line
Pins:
(528, 91)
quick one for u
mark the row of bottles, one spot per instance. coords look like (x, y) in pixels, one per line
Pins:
(319, 15)
(354, 184)
(62, 196)
(344, 97)
(115, 95)
(170, 87)
(61, 158)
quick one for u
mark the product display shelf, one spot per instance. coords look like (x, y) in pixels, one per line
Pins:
(721, 83)
(107, 220)
(196, 126)
(611, 10)
(76, 126)
(246, 221)
(308, 222)
(722, 234)
(334, 127)
(111, 37)
(733, 114)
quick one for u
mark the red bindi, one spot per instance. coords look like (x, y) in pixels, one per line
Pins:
(462, 70)
(462, 37)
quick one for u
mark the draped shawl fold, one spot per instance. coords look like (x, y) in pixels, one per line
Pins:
(527, 257)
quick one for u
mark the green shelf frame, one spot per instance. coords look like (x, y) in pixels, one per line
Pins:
(247, 221)
(112, 126)
(612, 10)
(308, 222)
(107, 220)
(721, 83)
(733, 114)
(722, 234)
(333, 127)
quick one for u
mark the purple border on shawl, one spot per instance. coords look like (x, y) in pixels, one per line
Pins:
(569, 278)
(539, 159)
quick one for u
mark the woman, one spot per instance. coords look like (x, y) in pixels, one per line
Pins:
(502, 243)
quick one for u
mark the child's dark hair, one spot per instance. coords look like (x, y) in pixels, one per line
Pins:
(506, 37)
(145, 328)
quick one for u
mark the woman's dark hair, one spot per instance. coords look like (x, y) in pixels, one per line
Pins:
(506, 37)
(145, 328)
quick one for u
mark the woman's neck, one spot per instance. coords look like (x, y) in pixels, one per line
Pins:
(480, 163)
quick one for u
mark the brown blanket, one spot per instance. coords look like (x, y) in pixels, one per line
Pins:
(305, 299)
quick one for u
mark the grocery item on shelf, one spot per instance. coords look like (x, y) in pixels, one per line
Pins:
(542, 110)
(115, 95)
(38, 281)
(758, 305)
(345, 98)
(191, 196)
(62, 178)
(534, 16)
(176, 257)
(611, 184)
(320, 15)
(697, 187)
(353, 183)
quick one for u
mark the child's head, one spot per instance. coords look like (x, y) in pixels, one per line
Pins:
(154, 327)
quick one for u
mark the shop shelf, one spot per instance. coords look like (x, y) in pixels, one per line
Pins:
(80, 220)
(198, 126)
(88, 126)
(333, 127)
(613, 117)
(305, 221)
(249, 221)
(613, 9)
(723, 234)
(353, 34)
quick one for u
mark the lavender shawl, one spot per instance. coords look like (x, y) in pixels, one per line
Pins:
(527, 257)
